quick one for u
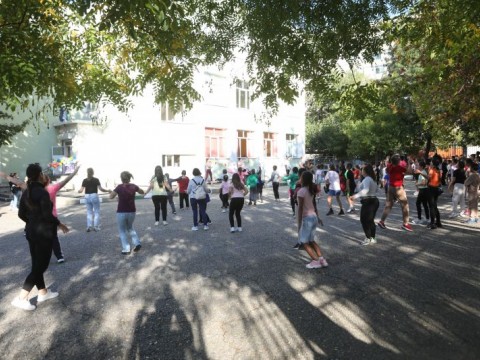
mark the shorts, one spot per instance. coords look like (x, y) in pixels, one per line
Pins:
(334, 192)
(307, 230)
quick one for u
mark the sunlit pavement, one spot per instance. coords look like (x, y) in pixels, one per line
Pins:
(216, 295)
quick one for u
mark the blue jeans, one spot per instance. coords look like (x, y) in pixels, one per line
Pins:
(93, 209)
(16, 200)
(202, 204)
(125, 228)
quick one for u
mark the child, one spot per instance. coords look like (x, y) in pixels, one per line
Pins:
(126, 212)
(237, 192)
(224, 188)
(471, 184)
(307, 220)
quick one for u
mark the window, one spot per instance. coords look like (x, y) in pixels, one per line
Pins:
(214, 139)
(243, 96)
(292, 145)
(244, 143)
(167, 113)
(171, 160)
(269, 144)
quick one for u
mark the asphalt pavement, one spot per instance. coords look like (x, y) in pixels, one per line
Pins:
(216, 295)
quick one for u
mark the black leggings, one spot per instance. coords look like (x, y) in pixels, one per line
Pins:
(236, 206)
(184, 196)
(275, 190)
(367, 216)
(160, 201)
(57, 249)
(432, 204)
(41, 252)
(422, 199)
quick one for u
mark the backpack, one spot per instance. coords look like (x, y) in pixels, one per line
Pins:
(199, 191)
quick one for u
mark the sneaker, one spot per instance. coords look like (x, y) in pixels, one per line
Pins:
(381, 224)
(137, 248)
(194, 228)
(365, 241)
(373, 241)
(425, 222)
(439, 225)
(416, 222)
(471, 221)
(125, 252)
(205, 228)
(432, 226)
(49, 295)
(156, 223)
(239, 229)
(341, 213)
(174, 213)
(23, 304)
(330, 212)
(296, 246)
(60, 260)
(96, 228)
(224, 211)
(255, 203)
(351, 210)
(165, 223)
(301, 247)
(323, 262)
(249, 203)
(232, 230)
(209, 223)
(407, 227)
(89, 229)
(314, 264)
(453, 215)
(415, 193)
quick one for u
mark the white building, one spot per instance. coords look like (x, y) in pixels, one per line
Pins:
(223, 129)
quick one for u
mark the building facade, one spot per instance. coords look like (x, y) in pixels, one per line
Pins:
(224, 130)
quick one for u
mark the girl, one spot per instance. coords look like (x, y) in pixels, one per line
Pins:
(126, 212)
(252, 182)
(224, 192)
(423, 195)
(457, 188)
(41, 228)
(471, 184)
(434, 184)
(307, 220)
(159, 186)
(236, 192)
(92, 201)
(370, 204)
(275, 179)
(197, 190)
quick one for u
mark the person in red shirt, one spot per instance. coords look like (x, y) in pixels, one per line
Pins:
(182, 183)
(396, 171)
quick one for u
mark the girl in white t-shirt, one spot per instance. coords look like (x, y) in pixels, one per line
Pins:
(307, 220)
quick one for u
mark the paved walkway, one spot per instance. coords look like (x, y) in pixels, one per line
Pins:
(216, 295)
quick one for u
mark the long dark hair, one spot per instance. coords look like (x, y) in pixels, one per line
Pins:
(369, 170)
(159, 175)
(237, 184)
(307, 181)
(33, 173)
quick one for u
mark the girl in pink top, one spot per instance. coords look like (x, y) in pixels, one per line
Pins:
(236, 192)
(307, 220)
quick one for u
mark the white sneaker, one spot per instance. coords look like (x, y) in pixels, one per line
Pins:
(416, 222)
(232, 230)
(239, 229)
(156, 223)
(194, 228)
(23, 304)
(205, 228)
(224, 211)
(165, 223)
(49, 295)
